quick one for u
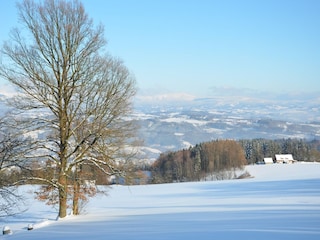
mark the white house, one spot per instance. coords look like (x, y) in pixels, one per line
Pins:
(268, 160)
(284, 158)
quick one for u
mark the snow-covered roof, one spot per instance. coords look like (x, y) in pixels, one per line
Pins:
(268, 160)
(284, 157)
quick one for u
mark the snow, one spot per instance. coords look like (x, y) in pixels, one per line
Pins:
(186, 144)
(149, 149)
(214, 130)
(280, 201)
(185, 119)
(178, 134)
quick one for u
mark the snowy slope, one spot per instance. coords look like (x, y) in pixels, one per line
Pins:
(279, 202)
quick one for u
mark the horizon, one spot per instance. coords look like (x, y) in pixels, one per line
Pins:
(193, 46)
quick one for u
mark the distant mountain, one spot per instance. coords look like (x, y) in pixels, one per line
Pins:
(301, 107)
(173, 123)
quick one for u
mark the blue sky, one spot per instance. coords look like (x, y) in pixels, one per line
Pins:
(194, 45)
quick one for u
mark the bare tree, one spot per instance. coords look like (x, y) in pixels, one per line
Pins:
(11, 163)
(80, 94)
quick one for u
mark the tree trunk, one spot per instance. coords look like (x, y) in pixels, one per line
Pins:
(63, 196)
(76, 192)
(63, 190)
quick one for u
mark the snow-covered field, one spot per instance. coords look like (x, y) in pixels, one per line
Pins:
(279, 202)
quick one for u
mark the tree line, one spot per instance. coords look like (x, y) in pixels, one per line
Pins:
(214, 159)
(302, 150)
(220, 159)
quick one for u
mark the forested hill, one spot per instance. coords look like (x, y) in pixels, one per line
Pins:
(197, 162)
(220, 159)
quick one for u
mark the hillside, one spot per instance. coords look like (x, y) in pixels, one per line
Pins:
(173, 122)
(279, 202)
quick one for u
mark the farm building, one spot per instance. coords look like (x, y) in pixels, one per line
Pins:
(268, 160)
(284, 158)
